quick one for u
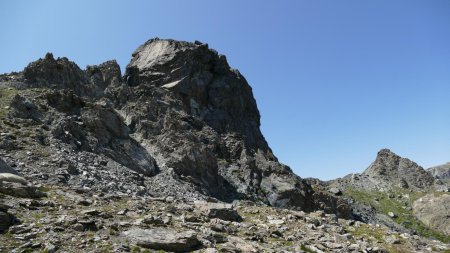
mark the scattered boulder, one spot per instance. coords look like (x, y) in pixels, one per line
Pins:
(392, 215)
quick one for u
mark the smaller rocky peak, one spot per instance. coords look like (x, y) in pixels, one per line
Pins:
(395, 170)
(54, 73)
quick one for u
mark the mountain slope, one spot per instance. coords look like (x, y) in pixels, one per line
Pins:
(114, 163)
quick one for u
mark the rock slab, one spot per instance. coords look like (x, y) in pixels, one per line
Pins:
(163, 239)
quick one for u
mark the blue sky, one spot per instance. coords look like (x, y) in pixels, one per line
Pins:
(335, 81)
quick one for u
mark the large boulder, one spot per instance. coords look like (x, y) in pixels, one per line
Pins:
(166, 239)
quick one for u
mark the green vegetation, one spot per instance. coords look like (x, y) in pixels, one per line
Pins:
(366, 231)
(385, 202)
(6, 95)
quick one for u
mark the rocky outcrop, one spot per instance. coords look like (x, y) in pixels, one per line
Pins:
(434, 211)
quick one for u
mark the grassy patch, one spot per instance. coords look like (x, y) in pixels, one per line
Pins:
(366, 231)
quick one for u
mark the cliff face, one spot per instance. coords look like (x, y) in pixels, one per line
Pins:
(180, 116)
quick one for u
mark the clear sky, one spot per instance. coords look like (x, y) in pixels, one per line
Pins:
(335, 81)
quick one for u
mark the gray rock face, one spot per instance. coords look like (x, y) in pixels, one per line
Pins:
(434, 211)
(163, 239)
(391, 169)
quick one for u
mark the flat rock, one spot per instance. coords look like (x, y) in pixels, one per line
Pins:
(163, 239)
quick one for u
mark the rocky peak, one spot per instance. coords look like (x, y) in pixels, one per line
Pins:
(202, 79)
(395, 170)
